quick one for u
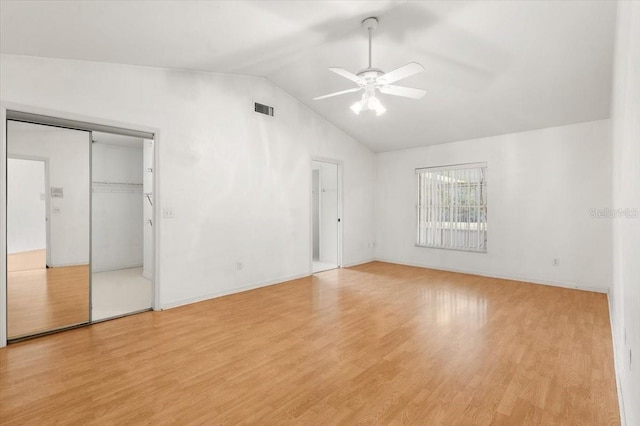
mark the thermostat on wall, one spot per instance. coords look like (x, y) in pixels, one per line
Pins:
(57, 192)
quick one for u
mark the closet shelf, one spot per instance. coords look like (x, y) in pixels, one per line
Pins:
(117, 183)
(117, 187)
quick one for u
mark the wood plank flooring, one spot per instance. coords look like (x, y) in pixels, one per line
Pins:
(373, 344)
(27, 260)
(41, 299)
(46, 299)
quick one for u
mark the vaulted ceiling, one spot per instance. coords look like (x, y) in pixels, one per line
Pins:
(492, 67)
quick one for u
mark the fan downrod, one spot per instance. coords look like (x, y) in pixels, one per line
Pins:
(370, 24)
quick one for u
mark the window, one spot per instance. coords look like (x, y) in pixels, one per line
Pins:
(452, 207)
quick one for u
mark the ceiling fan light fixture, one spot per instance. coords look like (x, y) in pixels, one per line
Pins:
(357, 107)
(368, 103)
(374, 104)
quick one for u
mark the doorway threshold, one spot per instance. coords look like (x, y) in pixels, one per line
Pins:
(321, 266)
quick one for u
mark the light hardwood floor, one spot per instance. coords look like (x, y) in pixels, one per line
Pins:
(27, 260)
(40, 299)
(374, 344)
(46, 299)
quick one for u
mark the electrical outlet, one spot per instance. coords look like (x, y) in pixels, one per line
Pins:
(168, 213)
(556, 261)
(239, 266)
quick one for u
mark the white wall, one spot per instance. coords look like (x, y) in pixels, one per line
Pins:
(541, 186)
(67, 152)
(238, 182)
(625, 294)
(116, 163)
(26, 212)
(117, 210)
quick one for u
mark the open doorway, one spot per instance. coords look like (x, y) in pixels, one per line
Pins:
(325, 207)
(26, 214)
(121, 225)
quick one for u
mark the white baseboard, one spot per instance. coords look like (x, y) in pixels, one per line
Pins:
(616, 364)
(67, 265)
(214, 295)
(349, 265)
(115, 268)
(574, 286)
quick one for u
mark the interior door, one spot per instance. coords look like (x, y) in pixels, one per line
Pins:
(325, 216)
(46, 295)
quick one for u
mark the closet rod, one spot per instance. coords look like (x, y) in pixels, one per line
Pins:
(118, 183)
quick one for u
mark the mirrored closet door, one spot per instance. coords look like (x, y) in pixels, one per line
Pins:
(48, 228)
(80, 240)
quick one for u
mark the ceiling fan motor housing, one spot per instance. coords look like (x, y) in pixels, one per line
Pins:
(370, 23)
(370, 75)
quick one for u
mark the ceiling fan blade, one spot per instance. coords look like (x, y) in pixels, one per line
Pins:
(330, 95)
(407, 92)
(399, 73)
(346, 74)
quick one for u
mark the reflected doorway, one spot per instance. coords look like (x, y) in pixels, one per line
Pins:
(27, 214)
(325, 216)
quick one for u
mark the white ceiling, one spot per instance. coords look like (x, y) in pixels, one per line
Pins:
(491, 67)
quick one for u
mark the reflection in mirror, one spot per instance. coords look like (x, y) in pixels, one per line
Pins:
(48, 205)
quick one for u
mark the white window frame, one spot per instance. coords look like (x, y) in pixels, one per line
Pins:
(439, 199)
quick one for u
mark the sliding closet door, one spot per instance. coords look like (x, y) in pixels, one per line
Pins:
(48, 228)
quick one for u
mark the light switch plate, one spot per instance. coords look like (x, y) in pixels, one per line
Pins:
(168, 213)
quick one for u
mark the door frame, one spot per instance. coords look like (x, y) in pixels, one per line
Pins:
(83, 121)
(339, 167)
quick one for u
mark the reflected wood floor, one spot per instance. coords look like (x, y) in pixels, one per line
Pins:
(373, 344)
(27, 260)
(44, 299)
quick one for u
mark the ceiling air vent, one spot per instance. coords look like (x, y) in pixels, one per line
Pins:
(264, 109)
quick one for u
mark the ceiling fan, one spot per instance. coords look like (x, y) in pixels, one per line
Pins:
(371, 80)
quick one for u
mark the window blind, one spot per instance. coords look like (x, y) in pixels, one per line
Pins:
(452, 207)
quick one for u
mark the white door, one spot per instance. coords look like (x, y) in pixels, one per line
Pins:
(325, 216)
